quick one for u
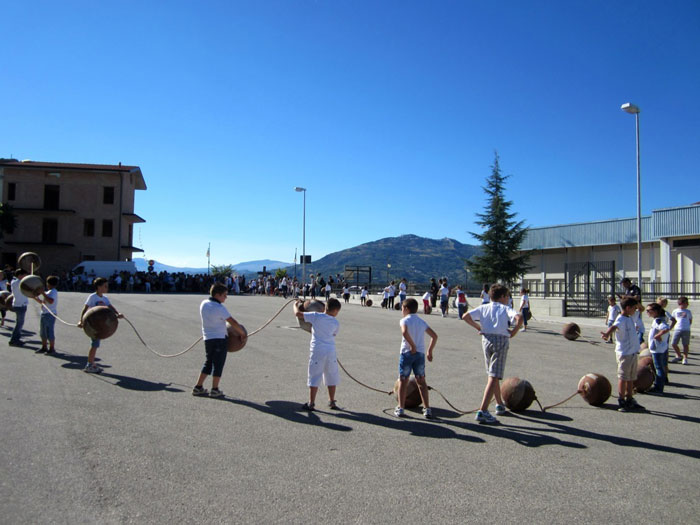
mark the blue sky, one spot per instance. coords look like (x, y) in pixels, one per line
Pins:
(388, 112)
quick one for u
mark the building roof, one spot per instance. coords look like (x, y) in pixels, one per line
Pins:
(667, 222)
(72, 166)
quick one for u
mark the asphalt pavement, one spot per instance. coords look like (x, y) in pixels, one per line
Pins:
(132, 445)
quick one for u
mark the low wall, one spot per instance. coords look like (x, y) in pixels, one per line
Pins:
(546, 307)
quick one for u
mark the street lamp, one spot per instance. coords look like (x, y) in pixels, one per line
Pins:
(303, 247)
(628, 107)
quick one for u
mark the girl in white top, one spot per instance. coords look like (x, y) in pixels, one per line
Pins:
(485, 295)
(363, 295)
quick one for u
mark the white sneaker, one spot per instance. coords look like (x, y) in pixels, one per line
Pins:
(398, 412)
(92, 369)
(484, 416)
(427, 413)
(500, 410)
(685, 360)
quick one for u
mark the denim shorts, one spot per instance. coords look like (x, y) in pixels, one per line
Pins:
(95, 343)
(46, 326)
(412, 362)
(682, 336)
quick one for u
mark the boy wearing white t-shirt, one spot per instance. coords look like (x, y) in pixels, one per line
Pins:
(495, 318)
(683, 319)
(96, 299)
(47, 319)
(323, 363)
(413, 355)
(626, 350)
(214, 317)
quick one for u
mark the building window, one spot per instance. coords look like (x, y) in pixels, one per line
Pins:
(51, 196)
(108, 195)
(49, 231)
(89, 228)
(106, 228)
(686, 243)
(11, 191)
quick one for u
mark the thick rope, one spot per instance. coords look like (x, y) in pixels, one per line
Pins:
(57, 317)
(198, 340)
(561, 402)
(390, 392)
(451, 405)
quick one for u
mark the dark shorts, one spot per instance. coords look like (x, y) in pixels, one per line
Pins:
(412, 363)
(216, 357)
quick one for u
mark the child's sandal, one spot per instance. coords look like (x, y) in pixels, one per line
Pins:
(332, 405)
(309, 406)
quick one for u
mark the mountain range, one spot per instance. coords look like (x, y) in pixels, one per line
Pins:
(410, 256)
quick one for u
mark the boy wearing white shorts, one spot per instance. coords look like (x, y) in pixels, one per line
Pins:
(323, 363)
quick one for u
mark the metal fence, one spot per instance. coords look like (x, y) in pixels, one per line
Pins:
(556, 288)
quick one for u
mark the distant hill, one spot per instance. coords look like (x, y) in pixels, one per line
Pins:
(249, 267)
(413, 257)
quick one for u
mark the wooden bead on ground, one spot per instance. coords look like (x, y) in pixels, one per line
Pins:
(413, 398)
(100, 322)
(645, 379)
(571, 331)
(595, 389)
(517, 393)
(235, 342)
(368, 302)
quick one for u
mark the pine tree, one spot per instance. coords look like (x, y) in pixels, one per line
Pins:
(500, 259)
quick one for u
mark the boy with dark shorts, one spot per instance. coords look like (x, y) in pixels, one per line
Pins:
(495, 318)
(413, 355)
(214, 317)
(96, 299)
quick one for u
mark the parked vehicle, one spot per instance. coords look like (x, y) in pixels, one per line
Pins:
(104, 268)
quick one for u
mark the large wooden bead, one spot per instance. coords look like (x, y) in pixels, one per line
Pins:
(31, 286)
(310, 305)
(368, 302)
(645, 379)
(100, 322)
(29, 262)
(595, 389)
(413, 398)
(571, 331)
(517, 393)
(235, 342)
(4, 295)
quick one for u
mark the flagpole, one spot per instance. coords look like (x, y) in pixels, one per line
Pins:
(209, 259)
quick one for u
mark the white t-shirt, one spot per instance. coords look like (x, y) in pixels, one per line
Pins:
(638, 323)
(524, 301)
(626, 338)
(444, 292)
(324, 328)
(363, 293)
(416, 329)
(392, 290)
(97, 300)
(426, 296)
(345, 290)
(658, 347)
(494, 317)
(53, 307)
(682, 316)
(20, 298)
(402, 288)
(485, 297)
(613, 312)
(214, 315)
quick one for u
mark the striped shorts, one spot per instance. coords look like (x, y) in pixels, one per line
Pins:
(495, 352)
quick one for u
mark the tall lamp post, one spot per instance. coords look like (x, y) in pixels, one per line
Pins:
(628, 107)
(303, 246)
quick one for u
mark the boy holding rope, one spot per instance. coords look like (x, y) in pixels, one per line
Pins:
(413, 355)
(495, 317)
(96, 299)
(47, 319)
(322, 360)
(214, 318)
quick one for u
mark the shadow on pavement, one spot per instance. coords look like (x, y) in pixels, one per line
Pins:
(134, 383)
(289, 411)
(617, 440)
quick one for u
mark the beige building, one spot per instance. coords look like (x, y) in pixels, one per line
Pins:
(68, 213)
